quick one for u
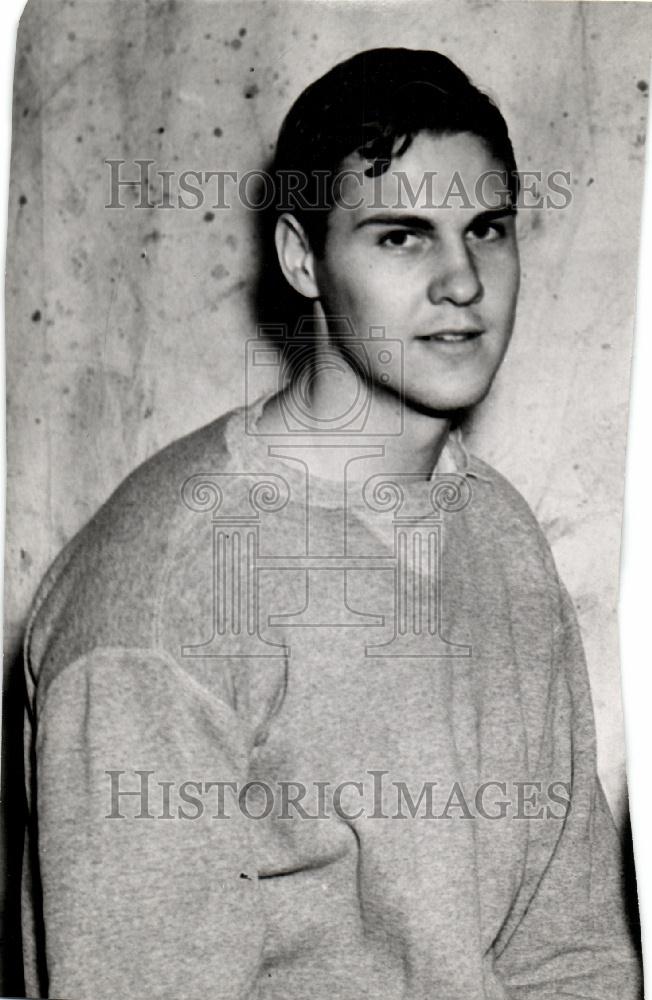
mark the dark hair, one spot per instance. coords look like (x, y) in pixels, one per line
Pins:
(374, 104)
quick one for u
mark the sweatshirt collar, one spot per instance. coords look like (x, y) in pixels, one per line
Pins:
(454, 458)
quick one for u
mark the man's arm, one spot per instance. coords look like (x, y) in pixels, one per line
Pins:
(568, 934)
(142, 895)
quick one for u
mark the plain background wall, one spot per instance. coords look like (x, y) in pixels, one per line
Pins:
(112, 353)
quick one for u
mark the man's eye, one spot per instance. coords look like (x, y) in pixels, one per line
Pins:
(487, 232)
(399, 239)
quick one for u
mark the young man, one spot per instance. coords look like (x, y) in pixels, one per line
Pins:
(308, 710)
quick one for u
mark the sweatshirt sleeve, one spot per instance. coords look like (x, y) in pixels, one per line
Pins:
(568, 934)
(145, 864)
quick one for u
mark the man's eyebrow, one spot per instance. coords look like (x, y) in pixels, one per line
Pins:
(494, 214)
(397, 219)
(423, 224)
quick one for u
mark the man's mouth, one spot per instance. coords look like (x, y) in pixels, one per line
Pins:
(452, 336)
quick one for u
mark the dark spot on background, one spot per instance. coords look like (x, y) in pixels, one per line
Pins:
(643, 86)
(36, 316)
(242, 32)
(217, 132)
(25, 112)
(251, 91)
(565, 114)
(22, 200)
(152, 237)
(148, 412)
(217, 80)
(589, 182)
(71, 36)
(235, 43)
(143, 253)
(606, 347)
(80, 138)
(160, 129)
(209, 216)
(208, 35)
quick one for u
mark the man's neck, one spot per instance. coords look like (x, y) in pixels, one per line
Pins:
(392, 438)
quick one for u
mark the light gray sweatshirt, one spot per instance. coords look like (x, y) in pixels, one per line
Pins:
(396, 671)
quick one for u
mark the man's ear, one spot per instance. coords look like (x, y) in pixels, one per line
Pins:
(295, 256)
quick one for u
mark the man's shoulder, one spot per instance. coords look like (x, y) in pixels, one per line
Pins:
(505, 516)
(105, 583)
(504, 493)
(150, 499)
(160, 478)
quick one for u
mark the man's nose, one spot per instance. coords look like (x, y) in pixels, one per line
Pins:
(454, 276)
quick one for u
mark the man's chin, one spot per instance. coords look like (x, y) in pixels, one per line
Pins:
(444, 404)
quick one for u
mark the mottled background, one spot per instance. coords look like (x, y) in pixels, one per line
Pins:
(125, 328)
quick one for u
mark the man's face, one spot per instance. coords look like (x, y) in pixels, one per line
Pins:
(440, 277)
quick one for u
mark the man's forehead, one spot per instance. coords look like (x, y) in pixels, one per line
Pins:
(448, 171)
